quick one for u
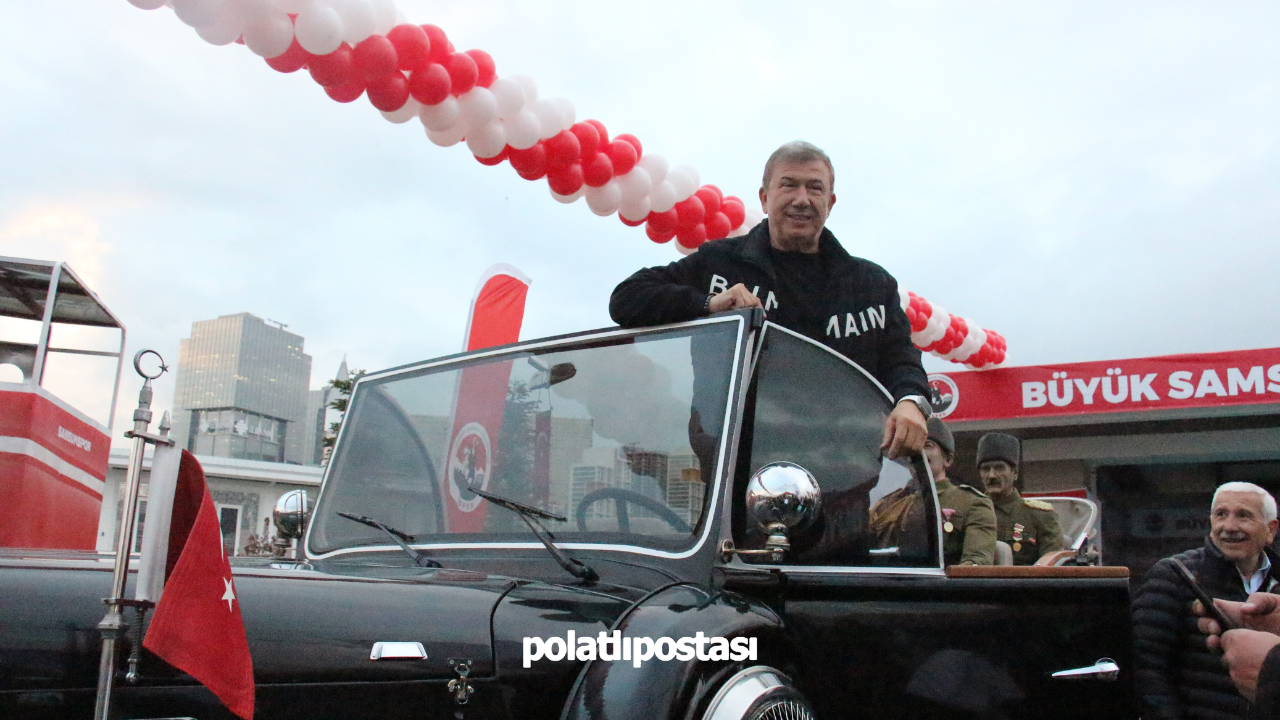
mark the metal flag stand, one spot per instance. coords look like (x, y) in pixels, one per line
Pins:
(113, 624)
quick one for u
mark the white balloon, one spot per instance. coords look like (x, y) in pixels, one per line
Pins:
(404, 114)
(147, 4)
(269, 36)
(567, 199)
(319, 29)
(663, 197)
(224, 32)
(567, 113)
(739, 231)
(684, 179)
(509, 95)
(441, 116)
(549, 118)
(604, 200)
(752, 219)
(449, 136)
(293, 6)
(357, 19)
(478, 107)
(634, 209)
(684, 250)
(635, 184)
(384, 16)
(201, 12)
(655, 165)
(529, 86)
(523, 130)
(487, 141)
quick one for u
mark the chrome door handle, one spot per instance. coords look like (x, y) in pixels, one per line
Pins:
(1104, 669)
(398, 651)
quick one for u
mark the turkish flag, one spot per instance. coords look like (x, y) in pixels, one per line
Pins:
(197, 626)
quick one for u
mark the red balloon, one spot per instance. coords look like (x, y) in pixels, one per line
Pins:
(659, 236)
(430, 85)
(920, 322)
(374, 58)
(599, 171)
(389, 93)
(631, 223)
(718, 226)
(531, 164)
(486, 71)
(563, 150)
(345, 93)
(734, 209)
(565, 180)
(710, 200)
(496, 159)
(463, 72)
(691, 212)
(664, 222)
(911, 315)
(412, 46)
(588, 139)
(692, 237)
(719, 193)
(634, 141)
(623, 156)
(599, 126)
(292, 60)
(333, 69)
(439, 46)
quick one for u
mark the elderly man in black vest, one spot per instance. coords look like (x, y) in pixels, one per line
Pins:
(1178, 676)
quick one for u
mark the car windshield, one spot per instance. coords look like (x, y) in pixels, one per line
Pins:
(620, 434)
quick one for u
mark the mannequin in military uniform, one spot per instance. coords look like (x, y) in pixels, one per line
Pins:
(968, 518)
(1030, 527)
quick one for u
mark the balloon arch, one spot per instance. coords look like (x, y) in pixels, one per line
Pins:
(355, 48)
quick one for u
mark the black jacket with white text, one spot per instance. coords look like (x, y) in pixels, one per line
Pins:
(860, 318)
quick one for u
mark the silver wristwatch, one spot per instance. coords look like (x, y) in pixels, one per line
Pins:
(920, 402)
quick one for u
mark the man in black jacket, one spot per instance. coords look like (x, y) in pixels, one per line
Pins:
(1177, 674)
(794, 268)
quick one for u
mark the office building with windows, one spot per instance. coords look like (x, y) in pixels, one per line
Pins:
(242, 387)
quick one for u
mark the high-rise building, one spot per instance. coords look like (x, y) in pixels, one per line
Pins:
(242, 391)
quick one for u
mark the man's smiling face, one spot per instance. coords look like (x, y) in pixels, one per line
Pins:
(798, 201)
(1238, 527)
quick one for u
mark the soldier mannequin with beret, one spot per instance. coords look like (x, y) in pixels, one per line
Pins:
(1030, 527)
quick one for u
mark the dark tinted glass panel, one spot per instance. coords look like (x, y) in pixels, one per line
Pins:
(815, 409)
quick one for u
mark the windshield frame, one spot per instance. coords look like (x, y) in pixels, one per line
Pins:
(728, 435)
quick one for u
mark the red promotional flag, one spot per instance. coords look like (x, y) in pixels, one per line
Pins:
(197, 626)
(497, 311)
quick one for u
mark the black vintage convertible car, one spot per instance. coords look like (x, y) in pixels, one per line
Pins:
(486, 513)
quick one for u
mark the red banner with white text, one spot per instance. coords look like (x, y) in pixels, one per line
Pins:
(1244, 377)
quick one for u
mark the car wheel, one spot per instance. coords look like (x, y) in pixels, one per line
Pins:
(758, 693)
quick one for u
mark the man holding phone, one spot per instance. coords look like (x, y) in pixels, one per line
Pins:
(1177, 674)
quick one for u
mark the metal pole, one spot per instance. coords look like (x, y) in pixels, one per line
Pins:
(113, 625)
(46, 323)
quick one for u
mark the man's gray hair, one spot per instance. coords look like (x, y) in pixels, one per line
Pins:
(798, 151)
(1268, 502)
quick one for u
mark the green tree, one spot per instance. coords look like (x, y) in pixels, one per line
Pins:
(340, 404)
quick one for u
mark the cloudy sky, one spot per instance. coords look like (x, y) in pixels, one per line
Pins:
(1094, 180)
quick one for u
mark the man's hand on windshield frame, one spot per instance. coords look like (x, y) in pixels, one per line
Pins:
(734, 298)
(905, 431)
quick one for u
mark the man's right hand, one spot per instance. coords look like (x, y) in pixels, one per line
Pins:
(735, 298)
(1260, 612)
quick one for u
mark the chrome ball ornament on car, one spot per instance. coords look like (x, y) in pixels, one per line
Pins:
(781, 497)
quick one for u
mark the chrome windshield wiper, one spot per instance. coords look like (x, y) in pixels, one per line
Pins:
(531, 516)
(399, 537)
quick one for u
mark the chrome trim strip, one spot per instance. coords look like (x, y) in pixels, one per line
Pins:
(634, 549)
(843, 570)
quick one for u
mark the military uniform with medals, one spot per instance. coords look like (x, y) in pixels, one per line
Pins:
(1030, 527)
(968, 524)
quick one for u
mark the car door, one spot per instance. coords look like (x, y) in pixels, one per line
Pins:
(886, 632)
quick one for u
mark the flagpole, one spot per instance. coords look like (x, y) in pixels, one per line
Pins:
(113, 625)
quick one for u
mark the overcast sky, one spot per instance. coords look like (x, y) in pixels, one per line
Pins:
(1094, 180)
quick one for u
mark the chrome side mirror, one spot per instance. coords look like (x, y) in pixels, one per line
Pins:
(291, 515)
(781, 497)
